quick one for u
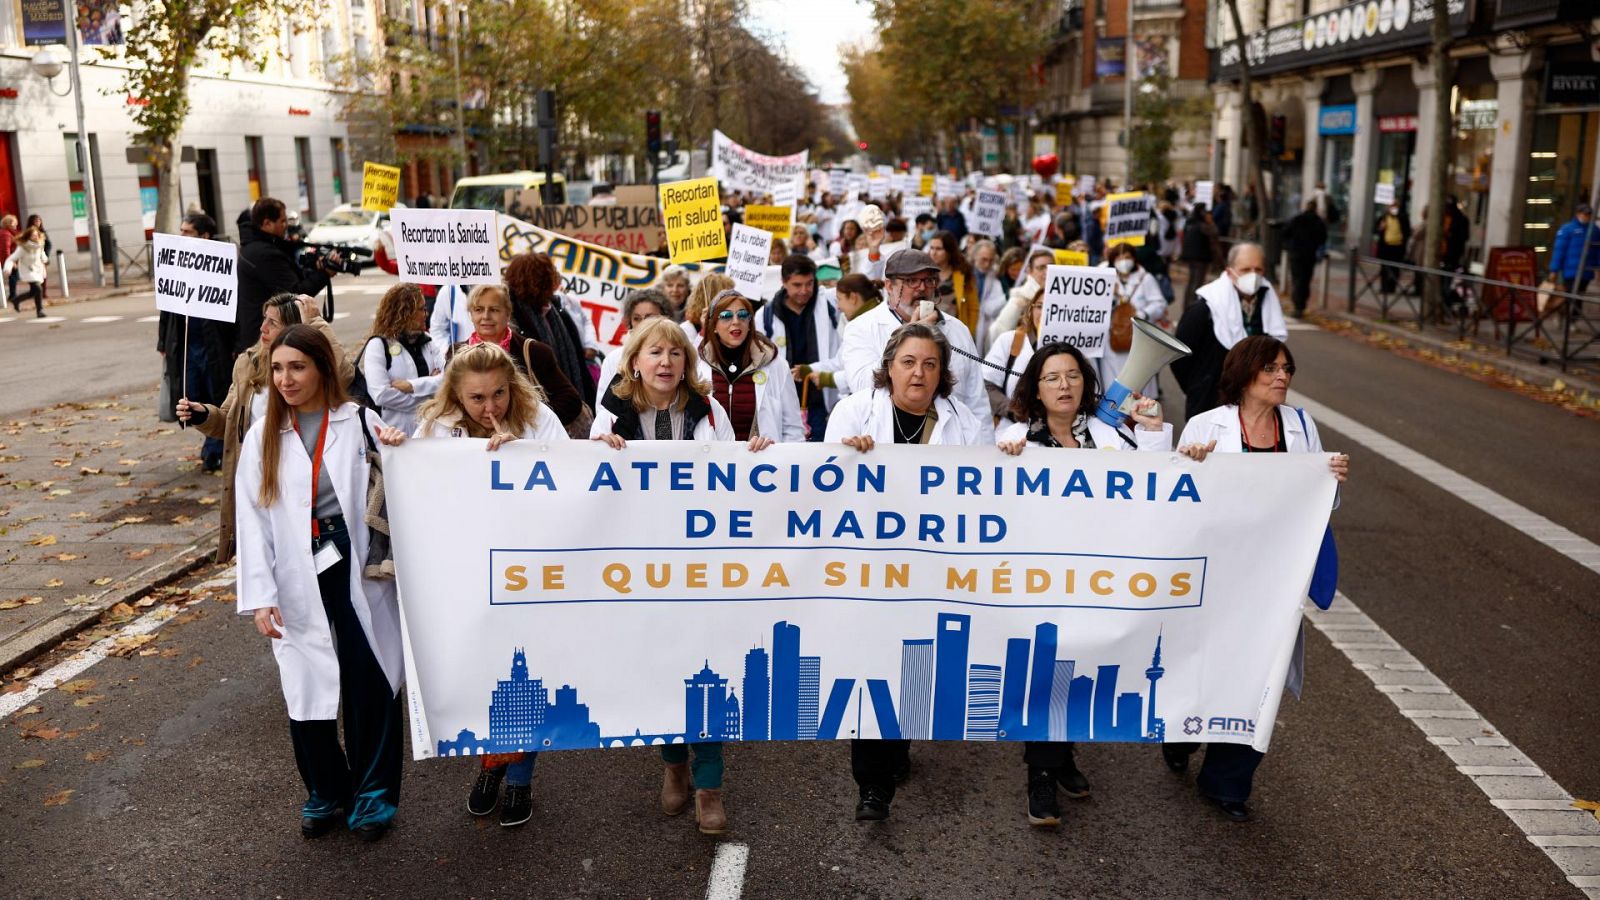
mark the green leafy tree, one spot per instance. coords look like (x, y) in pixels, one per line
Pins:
(1158, 118)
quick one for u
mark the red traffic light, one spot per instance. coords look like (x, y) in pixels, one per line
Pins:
(861, 145)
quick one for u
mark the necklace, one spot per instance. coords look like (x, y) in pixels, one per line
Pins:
(1245, 432)
(916, 436)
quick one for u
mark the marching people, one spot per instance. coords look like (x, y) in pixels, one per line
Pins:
(639, 307)
(8, 245)
(1200, 249)
(209, 357)
(532, 283)
(1240, 303)
(246, 402)
(694, 311)
(1304, 238)
(656, 395)
(484, 395)
(267, 267)
(1392, 234)
(301, 489)
(958, 286)
(31, 265)
(1252, 418)
(910, 401)
(747, 373)
(1027, 289)
(991, 294)
(675, 285)
(1009, 356)
(1053, 406)
(803, 324)
(400, 362)
(1138, 296)
(491, 311)
(853, 295)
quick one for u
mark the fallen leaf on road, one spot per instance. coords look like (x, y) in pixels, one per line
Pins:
(80, 514)
(23, 672)
(78, 686)
(60, 492)
(127, 462)
(125, 482)
(140, 554)
(90, 700)
(97, 756)
(59, 798)
(132, 520)
(1589, 805)
(29, 764)
(137, 742)
(170, 652)
(85, 470)
(66, 557)
(120, 613)
(126, 644)
(182, 520)
(43, 540)
(102, 581)
(207, 501)
(14, 687)
(144, 602)
(77, 599)
(61, 463)
(42, 732)
(195, 662)
(16, 602)
(29, 711)
(54, 582)
(33, 518)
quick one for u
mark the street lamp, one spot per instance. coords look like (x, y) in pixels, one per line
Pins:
(47, 66)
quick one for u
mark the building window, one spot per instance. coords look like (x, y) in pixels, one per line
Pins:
(336, 146)
(255, 161)
(303, 178)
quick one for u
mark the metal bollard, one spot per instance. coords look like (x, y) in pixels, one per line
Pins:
(61, 271)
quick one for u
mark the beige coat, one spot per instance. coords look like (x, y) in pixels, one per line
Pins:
(231, 421)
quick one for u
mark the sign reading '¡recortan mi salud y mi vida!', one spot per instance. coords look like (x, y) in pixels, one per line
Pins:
(446, 246)
(692, 214)
(196, 277)
(1077, 307)
(380, 186)
(573, 596)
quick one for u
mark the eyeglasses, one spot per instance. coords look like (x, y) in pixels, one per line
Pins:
(1271, 369)
(1055, 378)
(929, 283)
(729, 315)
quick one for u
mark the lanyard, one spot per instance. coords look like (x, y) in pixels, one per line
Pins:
(316, 469)
(1244, 433)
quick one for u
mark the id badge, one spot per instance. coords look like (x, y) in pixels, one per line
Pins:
(326, 557)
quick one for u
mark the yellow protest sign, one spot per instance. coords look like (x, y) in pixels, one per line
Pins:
(692, 214)
(1064, 196)
(1128, 218)
(925, 189)
(380, 186)
(774, 219)
(1071, 258)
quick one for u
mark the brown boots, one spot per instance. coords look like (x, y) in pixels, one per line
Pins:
(676, 787)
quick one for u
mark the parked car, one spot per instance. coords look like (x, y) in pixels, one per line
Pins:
(351, 226)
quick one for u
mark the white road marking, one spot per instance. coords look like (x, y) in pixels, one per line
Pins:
(6, 319)
(1540, 808)
(1301, 326)
(103, 319)
(340, 315)
(148, 319)
(1573, 546)
(727, 872)
(44, 320)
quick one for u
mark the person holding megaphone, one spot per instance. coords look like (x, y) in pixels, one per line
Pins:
(1240, 303)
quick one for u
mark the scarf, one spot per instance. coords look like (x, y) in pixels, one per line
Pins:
(505, 342)
(1039, 433)
(555, 336)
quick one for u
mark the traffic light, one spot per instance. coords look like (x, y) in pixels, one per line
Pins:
(652, 132)
(1277, 135)
(861, 145)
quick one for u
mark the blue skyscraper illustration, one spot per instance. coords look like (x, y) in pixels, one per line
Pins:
(785, 681)
(1014, 689)
(1130, 716)
(1037, 726)
(950, 688)
(916, 689)
(1060, 691)
(810, 697)
(757, 691)
(517, 707)
(731, 726)
(983, 703)
(705, 699)
(1105, 703)
(1080, 703)
(1156, 728)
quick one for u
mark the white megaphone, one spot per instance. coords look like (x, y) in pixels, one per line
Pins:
(1152, 348)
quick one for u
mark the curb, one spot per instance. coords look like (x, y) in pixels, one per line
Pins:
(100, 294)
(1531, 372)
(38, 638)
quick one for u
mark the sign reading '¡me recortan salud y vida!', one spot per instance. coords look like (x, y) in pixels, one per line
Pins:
(196, 277)
(812, 592)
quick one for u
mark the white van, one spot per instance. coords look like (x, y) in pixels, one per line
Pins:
(489, 191)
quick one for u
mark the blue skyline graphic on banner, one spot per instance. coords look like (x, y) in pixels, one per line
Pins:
(1032, 695)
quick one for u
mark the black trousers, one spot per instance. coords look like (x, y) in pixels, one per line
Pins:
(34, 289)
(363, 776)
(1047, 754)
(873, 763)
(1301, 270)
(1388, 276)
(1228, 770)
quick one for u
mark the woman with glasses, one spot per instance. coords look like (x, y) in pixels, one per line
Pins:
(1253, 419)
(747, 373)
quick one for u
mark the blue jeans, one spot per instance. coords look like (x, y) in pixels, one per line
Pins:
(707, 767)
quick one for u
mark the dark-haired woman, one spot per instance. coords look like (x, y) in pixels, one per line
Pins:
(1053, 406)
(247, 396)
(909, 403)
(302, 493)
(748, 374)
(1253, 419)
(958, 286)
(532, 283)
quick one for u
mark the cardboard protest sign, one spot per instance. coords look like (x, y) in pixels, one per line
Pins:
(1077, 307)
(380, 186)
(989, 213)
(197, 277)
(1203, 191)
(446, 246)
(1128, 218)
(743, 169)
(1383, 193)
(771, 219)
(748, 251)
(692, 214)
(904, 184)
(1064, 190)
(635, 228)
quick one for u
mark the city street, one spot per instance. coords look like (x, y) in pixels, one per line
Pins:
(1445, 728)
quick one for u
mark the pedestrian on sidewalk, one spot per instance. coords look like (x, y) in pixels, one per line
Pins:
(206, 355)
(302, 499)
(1392, 234)
(31, 265)
(247, 397)
(1573, 241)
(37, 221)
(8, 244)
(1305, 238)
(1200, 251)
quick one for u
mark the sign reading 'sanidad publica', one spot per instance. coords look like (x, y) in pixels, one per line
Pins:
(446, 246)
(1077, 307)
(196, 277)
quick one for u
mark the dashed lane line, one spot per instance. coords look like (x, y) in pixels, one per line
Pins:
(727, 872)
(44, 320)
(148, 319)
(1540, 808)
(98, 319)
(1569, 544)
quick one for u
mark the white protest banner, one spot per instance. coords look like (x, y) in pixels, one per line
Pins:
(905, 183)
(878, 189)
(1383, 193)
(748, 252)
(839, 182)
(1085, 185)
(742, 169)
(1203, 191)
(787, 194)
(196, 277)
(856, 185)
(913, 206)
(883, 171)
(446, 246)
(946, 187)
(906, 593)
(989, 213)
(1077, 307)
(1128, 220)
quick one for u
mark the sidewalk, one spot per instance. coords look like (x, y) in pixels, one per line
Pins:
(99, 503)
(83, 289)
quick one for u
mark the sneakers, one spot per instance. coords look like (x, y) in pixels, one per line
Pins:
(1176, 757)
(485, 791)
(709, 812)
(517, 807)
(1043, 810)
(675, 788)
(1072, 782)
(873, 806)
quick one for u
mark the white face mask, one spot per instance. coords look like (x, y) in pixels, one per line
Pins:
(1124, 265)
(1248, 283)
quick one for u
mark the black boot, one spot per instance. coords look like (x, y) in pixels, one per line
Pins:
(1043, 809)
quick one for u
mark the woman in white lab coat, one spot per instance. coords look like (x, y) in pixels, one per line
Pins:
(301, 491)
(400, 362)
(748, 374)
(1140, 293)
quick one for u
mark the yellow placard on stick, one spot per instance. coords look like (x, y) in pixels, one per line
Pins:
(1128, 218)
(1071, 258)
(380, 186)
(691, 211)
(926, 188)
(1064, 196)
(774, 219)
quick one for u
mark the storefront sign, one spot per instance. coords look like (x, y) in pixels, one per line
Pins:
(1390, 124)
(1337, 120)
(1358, 29)
(1477, 115)
(1574, 83)
(1110, 57)
(43, 23)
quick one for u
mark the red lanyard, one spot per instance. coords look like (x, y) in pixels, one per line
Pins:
(316, 469)
(1245, 433)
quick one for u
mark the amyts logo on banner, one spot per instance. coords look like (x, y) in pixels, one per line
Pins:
(676, 591)
(742, 169)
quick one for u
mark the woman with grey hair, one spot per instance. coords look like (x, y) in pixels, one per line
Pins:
(675, 285)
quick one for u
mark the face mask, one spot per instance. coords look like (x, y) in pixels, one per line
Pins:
(928, 234)
(1124, 265)
(1394, 210)
(1248, 283)
(811, 227)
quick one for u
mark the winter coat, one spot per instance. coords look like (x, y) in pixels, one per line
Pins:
(778, 413)
(1568, 249)
(267, 268)
(30, 261)
(872, 413)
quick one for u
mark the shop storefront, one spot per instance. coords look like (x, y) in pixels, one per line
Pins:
(1476, 108)
(1562, 164)
(1394, 104)
(1336, 128)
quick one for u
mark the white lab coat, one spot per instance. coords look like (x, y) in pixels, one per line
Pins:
(824, 333)
(715, 427)
(1105, 437)
(1227, 319)
(450, 306)
(1148, 304)
(991, 300)
(545, 427)
(778, 413)
(871, 412)
(385, 362)
(276, 569)
(861, 353)
(999, 353)
(580, 317)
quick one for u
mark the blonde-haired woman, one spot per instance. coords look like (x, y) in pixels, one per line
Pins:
(400, 361)
(302, 493)
(491, 311)
(247, 396)
(484, 395)
(694, 312)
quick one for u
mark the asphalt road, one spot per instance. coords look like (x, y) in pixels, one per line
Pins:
(183, 782)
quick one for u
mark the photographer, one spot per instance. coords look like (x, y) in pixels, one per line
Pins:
(267, 266)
